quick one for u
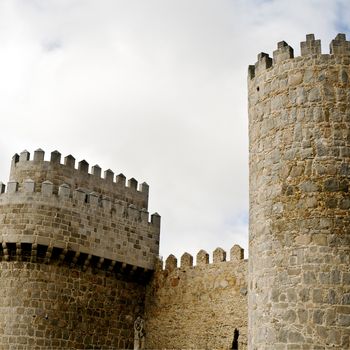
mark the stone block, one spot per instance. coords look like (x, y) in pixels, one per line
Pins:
(202, 258)
(236, 253)
(186, 260)
(171, 263)
(55, 157)
(29, 185)
(12, 187)
(47, 188)
(39, 155)
(219, 255)
(64, 191)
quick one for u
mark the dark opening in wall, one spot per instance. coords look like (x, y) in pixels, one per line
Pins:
(235, 339)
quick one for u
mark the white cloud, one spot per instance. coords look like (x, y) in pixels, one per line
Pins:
(153, 89)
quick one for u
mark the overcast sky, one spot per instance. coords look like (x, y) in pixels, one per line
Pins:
(153, 89)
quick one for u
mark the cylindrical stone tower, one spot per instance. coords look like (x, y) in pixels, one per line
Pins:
(299, 244)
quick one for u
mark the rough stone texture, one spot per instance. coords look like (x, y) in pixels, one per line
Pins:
(110, 230)
(197, 307)
(38, 170)
(74, 259)
(77, 251)
(299, 249)
(76, 219)
(57, 307)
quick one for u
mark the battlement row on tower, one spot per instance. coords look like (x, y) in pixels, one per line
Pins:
(299, 227)
(338, 47)
(39, 170)
(81, 196)
(77, 249)
(202, 258)
(78, 220)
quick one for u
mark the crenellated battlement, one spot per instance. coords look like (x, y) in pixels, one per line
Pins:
(78, 220)
(78, 197)
(36, 168)
(202, 258)
(311, 48)
(57, 205)
(299, 223)
(78, 250)
(186, 302)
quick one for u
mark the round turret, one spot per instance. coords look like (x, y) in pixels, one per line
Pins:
(299, 245)
(76, 254)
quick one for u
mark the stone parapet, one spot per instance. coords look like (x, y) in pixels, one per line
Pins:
(198, 307)
(39, 170)
(76, 254)
(78, 220)
(339, 49)
(202, 258)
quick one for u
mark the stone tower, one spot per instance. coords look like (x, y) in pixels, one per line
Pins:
(299, 244)
(76, 255)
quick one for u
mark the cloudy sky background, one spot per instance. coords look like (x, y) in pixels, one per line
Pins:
(155, 89)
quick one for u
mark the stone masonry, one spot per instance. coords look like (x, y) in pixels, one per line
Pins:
(58, 206)
(79, 255)
(299, 243)
(76, 255)
(53, 306)
(198, 307)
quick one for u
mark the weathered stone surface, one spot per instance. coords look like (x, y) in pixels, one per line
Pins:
(299, 260)
(109, 229)
(39, 170)
(56, 307)
(198, 307)
(74, 262)
(76, 249)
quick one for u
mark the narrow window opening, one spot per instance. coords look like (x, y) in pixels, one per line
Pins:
(257, 89)
(235, 339)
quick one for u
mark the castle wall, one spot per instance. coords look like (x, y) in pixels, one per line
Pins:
(198, 307)
(76, 254)
(58, 307)
(79, 222)
(299, 249)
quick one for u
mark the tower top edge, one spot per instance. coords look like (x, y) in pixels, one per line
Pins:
(339, 46)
